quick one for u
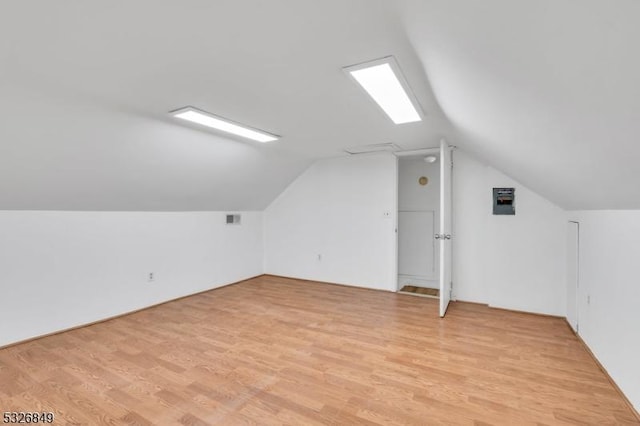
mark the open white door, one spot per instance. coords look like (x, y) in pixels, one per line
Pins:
(444, 235)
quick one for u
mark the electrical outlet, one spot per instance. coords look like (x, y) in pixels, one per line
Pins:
(386, 215)
(151, 277)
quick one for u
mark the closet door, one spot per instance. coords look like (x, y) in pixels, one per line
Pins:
(444, 235)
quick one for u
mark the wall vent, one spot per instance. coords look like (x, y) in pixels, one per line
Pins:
(233, 219)
(378, 147)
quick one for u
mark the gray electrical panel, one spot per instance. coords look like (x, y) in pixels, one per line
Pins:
(504, 201)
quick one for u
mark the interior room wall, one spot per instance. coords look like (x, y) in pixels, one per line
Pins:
(63, 269)
(418, 216)
(609, 294)
(515, 262)
(331, 225)
(336, 223)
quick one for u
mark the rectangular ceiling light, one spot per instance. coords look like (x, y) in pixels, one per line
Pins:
(384, 82)
(203, 118)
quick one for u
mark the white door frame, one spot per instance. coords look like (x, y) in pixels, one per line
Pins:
(418, 153)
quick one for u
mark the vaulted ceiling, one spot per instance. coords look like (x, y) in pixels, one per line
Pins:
(546, 91)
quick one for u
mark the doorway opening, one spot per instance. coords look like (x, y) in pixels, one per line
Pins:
(424, 255)
(418, 218)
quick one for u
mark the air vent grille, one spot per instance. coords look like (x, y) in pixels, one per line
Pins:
(233, 219)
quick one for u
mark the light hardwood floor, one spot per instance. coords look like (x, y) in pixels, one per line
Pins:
(280, 351)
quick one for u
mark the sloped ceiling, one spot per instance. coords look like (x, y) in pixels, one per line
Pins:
(86, 87)
(546, 91)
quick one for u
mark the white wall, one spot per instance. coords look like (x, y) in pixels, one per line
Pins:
(64, 269)
(411, 195)
(344, 210)
(514, 262)
(335, 209)
(609, 271)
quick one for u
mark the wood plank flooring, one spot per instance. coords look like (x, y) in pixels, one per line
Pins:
(281, 351)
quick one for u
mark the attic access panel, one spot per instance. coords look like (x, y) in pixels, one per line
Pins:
(504, 201)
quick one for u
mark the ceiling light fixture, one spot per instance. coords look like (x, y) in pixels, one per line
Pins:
(382, 79)
(203, 118)
(430, 158)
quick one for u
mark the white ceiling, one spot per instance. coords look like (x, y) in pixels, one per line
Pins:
(546, 91)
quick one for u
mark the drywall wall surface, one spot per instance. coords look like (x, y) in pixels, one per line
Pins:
(330, 225)
(514, 262)
(412, 196)
(63, 269)
(470, 216)
(336, 223)
(609, 294)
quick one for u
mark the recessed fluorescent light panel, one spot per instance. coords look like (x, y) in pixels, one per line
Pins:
(203, 118)
(384, 82)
